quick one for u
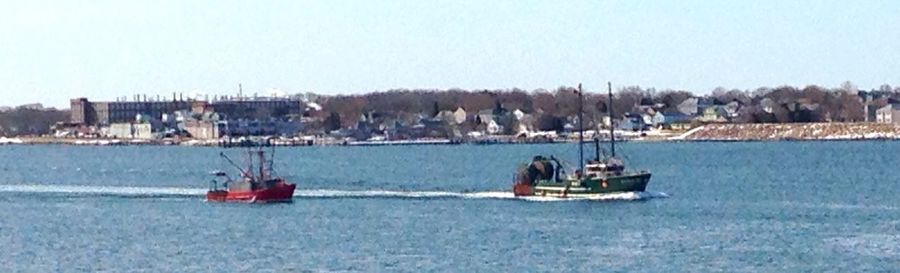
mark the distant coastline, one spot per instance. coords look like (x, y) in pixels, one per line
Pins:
(725, 132)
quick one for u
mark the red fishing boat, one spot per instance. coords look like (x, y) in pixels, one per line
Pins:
(263, 187)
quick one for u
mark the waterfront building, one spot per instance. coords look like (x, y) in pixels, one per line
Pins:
(204, 129)
(131, 130)
(105, 113)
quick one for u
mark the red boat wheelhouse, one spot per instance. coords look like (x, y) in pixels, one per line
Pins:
(250, 188)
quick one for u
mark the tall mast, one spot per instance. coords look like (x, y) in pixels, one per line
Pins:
(612, 135)
(262, 165)
(272, 161)
(580, 129)
(250, 164)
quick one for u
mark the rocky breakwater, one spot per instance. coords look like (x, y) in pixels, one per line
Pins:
(793, 131)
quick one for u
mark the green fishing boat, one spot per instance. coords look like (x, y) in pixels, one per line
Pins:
(546, 176)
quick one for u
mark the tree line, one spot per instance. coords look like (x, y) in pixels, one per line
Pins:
(551, 108)
(24, 121)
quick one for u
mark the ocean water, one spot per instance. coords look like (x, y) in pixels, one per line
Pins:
(733, 207)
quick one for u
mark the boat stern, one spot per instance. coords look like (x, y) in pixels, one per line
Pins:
(523, 189)
(282, 192)
(216, 195)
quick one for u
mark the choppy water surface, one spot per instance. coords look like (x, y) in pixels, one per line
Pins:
(736, 207)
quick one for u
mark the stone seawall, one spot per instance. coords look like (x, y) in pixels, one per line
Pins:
(794, 131)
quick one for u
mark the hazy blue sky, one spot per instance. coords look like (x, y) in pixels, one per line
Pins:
(52, 51)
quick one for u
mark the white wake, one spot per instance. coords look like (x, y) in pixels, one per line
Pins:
(103, 190)
(149, 192)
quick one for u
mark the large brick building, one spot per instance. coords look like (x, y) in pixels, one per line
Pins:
(106, 113)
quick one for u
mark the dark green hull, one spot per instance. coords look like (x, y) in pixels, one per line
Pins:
(628, 182)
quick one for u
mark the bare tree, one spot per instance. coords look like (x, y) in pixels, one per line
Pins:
(849, 88)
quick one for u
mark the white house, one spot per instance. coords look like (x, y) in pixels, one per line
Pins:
(493, 128)
(518, 114)
(459, 115)
(888, 114)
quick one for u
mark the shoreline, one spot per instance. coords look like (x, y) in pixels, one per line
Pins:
(465, 143)
(104, 144)
(763, 132)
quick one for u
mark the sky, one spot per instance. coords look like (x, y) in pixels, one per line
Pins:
(51, 51)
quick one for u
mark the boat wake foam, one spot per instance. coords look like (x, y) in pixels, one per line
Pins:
(162, 192)
(112, 191)
(470, 195)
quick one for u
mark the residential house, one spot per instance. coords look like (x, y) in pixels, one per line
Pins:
(526, 123)
(484, 116)
(459, 115)
(652, 117)
(657, 119)
(447, 117)
(689, 106)
(732, 110)
(888, 114)
(714, 113)
(676, 120)
(487, 121)
(518, 114)
(633, 122)
(493, 128)
(768, 105)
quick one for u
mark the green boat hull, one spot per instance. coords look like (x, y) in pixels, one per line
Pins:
(544, 176)
(629, 182)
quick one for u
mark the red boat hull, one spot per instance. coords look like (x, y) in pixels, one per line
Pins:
(281, 192)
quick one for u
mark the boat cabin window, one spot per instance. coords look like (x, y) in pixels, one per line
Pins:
(595, 170)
